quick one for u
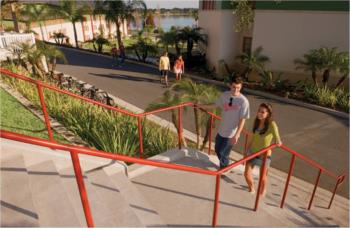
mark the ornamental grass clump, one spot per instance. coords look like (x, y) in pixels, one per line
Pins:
(100, 128)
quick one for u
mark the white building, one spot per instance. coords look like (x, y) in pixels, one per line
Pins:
(285, 29)
(85, 30)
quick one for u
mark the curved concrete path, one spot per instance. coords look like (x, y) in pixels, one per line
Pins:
(317, 135)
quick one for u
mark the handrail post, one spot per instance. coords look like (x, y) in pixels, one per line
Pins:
(262, 174)
(139, 125)
(334, 191)
(314, 191)
(288, 179)
(210, 133)
(46, 115)
(216, 201)
(180, 127)
(82, 189)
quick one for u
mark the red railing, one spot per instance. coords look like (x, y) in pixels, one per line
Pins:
(75, 150)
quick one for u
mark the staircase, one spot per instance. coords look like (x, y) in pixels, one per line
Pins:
(39, 189)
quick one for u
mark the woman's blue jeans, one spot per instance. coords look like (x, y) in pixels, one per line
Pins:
(223, 148)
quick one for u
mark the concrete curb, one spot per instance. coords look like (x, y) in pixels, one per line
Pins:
(248, 91)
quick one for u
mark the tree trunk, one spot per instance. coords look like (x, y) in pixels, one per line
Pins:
(92, 26)
(119, 37)
(197, 125)
(175, 122)
(326, 75)
(75, 35)
(206, 136)
(42, 31)
(341, 80)
(314, 77)
(178, 51)
(14, 16)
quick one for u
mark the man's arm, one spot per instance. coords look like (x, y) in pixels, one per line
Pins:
(238, 132)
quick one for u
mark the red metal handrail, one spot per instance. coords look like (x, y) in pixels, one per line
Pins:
(76, 149)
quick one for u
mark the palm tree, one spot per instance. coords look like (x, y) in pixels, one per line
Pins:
(310, 62)
(167, 39)
(212, 94)
(36, 12)
(328, 58)
(143, 46)
(169, 99)
(117, 11)
(70, 11)
(196, 93)
(14, 9)
(192, 36)
(343, 67)
(52, 54)
(253, 61)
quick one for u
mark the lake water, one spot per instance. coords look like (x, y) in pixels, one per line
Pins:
(167, 22)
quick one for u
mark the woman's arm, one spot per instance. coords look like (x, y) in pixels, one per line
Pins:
(276, 134)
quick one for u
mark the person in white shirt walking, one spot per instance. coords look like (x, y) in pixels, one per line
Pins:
(164, 67)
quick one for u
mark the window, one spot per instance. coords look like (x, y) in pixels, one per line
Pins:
(247, 45)
(208, 5)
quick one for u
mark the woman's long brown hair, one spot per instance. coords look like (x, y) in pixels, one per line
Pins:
(267, 121)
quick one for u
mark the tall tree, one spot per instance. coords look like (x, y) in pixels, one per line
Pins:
(72, 12)
(36, 12)
(192, 36)
(118, 11)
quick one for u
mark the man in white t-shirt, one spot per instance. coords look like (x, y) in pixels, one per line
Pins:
(235, 111)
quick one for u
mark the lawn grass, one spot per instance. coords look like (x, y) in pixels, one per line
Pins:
(16, 118)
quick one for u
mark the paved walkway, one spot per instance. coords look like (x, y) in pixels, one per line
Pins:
(319, 136)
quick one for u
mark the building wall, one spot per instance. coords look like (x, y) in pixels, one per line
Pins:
(66, 27)
(223, 41)
(287, 35)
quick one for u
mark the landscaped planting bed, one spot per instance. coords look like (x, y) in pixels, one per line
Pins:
(99, 127)
(16, 118)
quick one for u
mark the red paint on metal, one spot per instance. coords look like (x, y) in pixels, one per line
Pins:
(210, 133)
(314, 191)
(46, 115)
(288, 179)
(262, 175)
(180, 127)
(139, 126)
(82, 190)
(216, 201)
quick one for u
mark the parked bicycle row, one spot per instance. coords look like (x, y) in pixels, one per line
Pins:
(82, 88)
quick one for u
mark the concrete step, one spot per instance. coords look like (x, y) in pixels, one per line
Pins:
(50, 200)
(102, 215)
(111, 196)
(186, 199)
(142, 208)
(17, 208)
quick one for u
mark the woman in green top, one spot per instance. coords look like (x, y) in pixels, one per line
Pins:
(264, 130)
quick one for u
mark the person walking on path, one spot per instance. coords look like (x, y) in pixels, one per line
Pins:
(114, 52)
(122, 53)
(264, 130)
(164, 67)
(179, 67)
(235, 111)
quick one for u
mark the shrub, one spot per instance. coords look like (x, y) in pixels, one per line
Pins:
(100, 128)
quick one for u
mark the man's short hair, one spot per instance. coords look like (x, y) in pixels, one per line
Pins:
(236, 80)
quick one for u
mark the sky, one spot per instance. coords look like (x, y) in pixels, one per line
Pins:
(169, 4)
